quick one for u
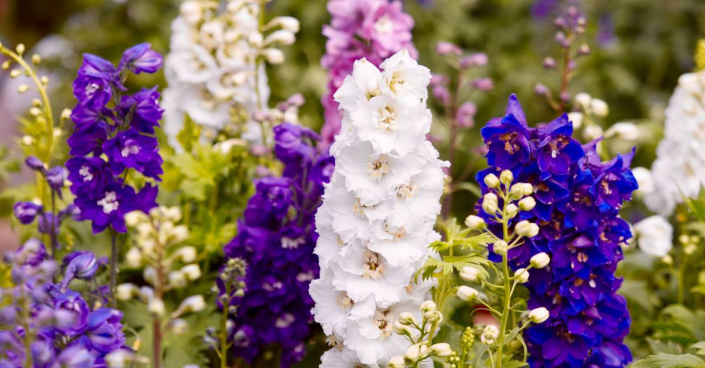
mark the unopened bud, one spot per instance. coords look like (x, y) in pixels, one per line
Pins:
(506, 177)
(23, 88)
(489, 203)
(522, 275)
(540, 260)
(512, 210)
(20, 49)
(492, 181)
(527, 229)
(538, 315)
(527, 204)
(396, 362)
(475, 222)
(466, 293)
(36, 59)
(441, 350)
(407, 318)
(500, 247)
(470, 274)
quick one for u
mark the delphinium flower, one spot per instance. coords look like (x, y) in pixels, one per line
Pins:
(167, 266)
(215, 68)
(276, 238)
(378, 212)
(113, 139)
(577, 202)
(679, 168)
(47, 324)
(371, 29)
(48, 220)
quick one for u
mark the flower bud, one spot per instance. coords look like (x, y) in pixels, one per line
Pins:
(592, 132)
(500, 247)
(133, 258)
(527, 204)
(599, 107)
(407, 318)
(522, 275)
(428, 307)
(192, 272)
(512, 210)
(583, 100)
(179, 326)
(156, 307)
(412, 353)
(623, 131)
(22, 88)
(441, 350)
(15, 73)
(576, 118)
(489, 334)
(517, 190)
(466, 293)
(527, 229)
(274, 56)
(290, 24)
(538, 315)
(470, 274)
(126, 291)
(186, 254)
(492, 181)
(489, 203)
(396, 362)
(194, 303)
(401, 329)
(475, 222)
(506, 177)
(540, 260)
(191, 11)
(20, 48)
(281, 37)
(179, 233)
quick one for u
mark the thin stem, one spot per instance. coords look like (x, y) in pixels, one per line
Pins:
(565, 78)
(681, 280)
(224, 345)
(158, 293)
(113, 267)
(53, 224)
(507, 287)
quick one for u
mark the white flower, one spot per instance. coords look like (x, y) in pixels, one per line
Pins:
(576, 118)
(538, 315)
(599, 107)
(378, 214)
(624, 131)
(679, 169)
(540, 260)
(654, 236)
(644, 179)
(489, 334)
(467, 293)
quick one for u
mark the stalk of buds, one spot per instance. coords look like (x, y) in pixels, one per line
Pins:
(167, 267)
(420, 334)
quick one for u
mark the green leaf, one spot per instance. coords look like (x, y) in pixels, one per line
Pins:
(670, 361)
(189, 134)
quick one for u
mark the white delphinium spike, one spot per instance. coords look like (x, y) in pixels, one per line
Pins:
(378, 212)
(214, 68)
(679, 169)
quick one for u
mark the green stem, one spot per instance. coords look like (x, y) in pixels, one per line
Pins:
(507, 286)
(113, 267)
(224, 345)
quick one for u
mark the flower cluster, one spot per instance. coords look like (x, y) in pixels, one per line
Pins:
(276, 239)
(60, 326)
(49, 220)
(166, 267)
(377, 217)
(577, 202)
(114, 134)
(679, 169)
(371, 29)
(215, 68)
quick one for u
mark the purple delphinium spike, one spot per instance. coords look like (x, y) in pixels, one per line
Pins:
(107, 141)
(276, 238)
(578, 201)
(371, 29)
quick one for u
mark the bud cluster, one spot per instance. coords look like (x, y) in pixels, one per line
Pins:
(420, 335)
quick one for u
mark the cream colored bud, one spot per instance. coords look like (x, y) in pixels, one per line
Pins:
(119, 359)
(583, 99)
(517, 190)
(407, 318)
(281, 37)
(506, 177)
(6, 64)
(396, 362)
(176, 279)
(500, 247)
(512, 210)
(526, 228)
(27, 140)
(489, 203)
(57, 132)
(150, 275)
(66, 114)
(470, 274)
(401, 329)
(538, 315)
(44, 79)
(15, 73)
(126, 291)
(527, 204)
(576, 118)
(489, 334)
(440, 350)
(179, 326)
(191, 11)
(466, 293)
(475, 222)
(35, 111)
(20, 49)
(134, 217)
(273, 56)
(156, 307)
(599, 107)
(290, 24)
(186, 254)
(23, 88)
(492, 181)
(180, 233)
(192, 272)
(522, 275)
(172, 213)
(255, 39)
(36, 59)
(427, 307)
(540, 260)
(194, 304)
(412, 353)
(133, 258)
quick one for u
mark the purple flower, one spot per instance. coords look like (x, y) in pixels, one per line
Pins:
(141, 58)
(26, 212)
(75, 357)
(87, 174)
(466, 115)
(276, 238)
(145, 109)
(108, 206)
(578, 199)
(447, 48)
(88, 141)
(74, 307)
(104, 330)
(35, 164)
(85, 117)
(56, 176)
(81, 265)
(130, 149)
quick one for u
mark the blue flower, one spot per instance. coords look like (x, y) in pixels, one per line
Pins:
(130, 149)
(141, 59)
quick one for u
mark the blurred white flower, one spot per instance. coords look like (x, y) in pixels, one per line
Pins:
(624, 131)
(654, 236)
